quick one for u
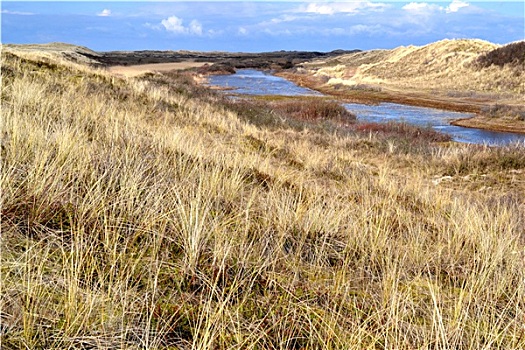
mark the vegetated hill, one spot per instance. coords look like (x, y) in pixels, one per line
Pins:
(445, 65)
(57, 50)
(512, 54)
(153, 213)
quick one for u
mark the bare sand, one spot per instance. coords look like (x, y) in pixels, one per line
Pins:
(132, 71)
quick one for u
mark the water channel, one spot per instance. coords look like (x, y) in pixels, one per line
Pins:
(253, 82)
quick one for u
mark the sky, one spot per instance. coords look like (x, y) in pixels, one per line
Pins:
(256, 26)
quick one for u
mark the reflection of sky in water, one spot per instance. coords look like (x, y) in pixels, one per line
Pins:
(253, 82)
(436, 118)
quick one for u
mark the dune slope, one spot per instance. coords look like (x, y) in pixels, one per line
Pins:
(444, 65)
(151, 213)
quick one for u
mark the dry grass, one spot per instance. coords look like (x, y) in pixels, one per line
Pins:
(62, 52)
(447, 65)
(146, 213)
(135, 70)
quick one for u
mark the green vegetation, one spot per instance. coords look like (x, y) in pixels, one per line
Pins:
(150, 213)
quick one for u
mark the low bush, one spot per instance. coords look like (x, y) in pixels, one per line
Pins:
(315, 109)
(217, 69)
(512, 54)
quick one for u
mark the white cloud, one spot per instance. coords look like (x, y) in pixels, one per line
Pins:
(20, 13)
(456, 5)
(320, 9)
(104, 13)
(425, 8)
(357, 29)
(242, 31)
(421, 8)
(175, 25)
(282, 19)
(195, 27)
(330, 8)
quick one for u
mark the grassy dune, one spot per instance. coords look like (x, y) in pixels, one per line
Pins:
(150, 213)
(448, 65)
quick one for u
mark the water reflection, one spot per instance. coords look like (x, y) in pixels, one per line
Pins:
(253, 82)
(436, 118)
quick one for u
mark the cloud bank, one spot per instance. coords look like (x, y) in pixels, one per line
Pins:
(426, 8)
(261, 25)
(331, 8)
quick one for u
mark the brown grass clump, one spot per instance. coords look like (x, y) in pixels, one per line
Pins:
(315, 109)
(145, 213)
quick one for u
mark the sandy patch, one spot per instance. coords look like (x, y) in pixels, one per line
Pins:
(131, 71)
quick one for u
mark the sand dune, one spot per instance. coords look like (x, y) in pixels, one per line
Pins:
(131, 71)
(444, 65)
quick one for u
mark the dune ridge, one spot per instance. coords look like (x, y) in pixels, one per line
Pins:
(445, 65)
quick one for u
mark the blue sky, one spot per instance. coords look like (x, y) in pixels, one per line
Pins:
(255, 26)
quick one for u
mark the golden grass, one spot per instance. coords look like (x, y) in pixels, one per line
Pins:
(139, 214)
(447, 65)
(135, 70)
(65, 53)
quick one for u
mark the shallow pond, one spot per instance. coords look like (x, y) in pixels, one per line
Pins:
(254, 82)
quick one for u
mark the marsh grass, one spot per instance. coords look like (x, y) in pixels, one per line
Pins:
(149, 214)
